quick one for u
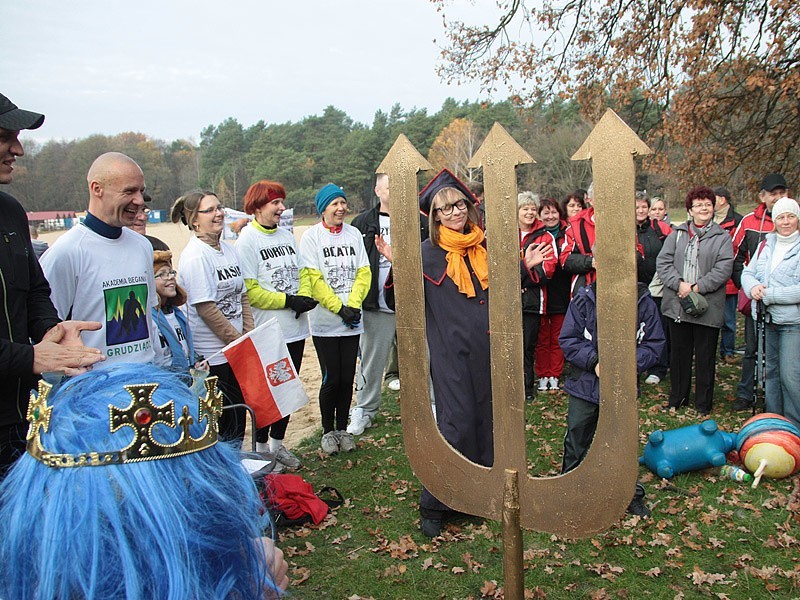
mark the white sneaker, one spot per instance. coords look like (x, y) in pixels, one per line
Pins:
(653, 379)
(394, 385)
(543, 384)
(330, 443)
(346, 441)
(553, 383)
(358, 421)
(286, 458)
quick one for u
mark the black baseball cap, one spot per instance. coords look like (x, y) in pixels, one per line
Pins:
(772, 181)
(16, 119)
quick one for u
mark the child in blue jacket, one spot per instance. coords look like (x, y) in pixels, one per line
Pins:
(578, 341)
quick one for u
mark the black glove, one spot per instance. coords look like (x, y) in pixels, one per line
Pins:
(300, 304)
(350, 316)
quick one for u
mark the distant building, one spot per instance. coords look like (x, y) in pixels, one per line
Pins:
(49, 220)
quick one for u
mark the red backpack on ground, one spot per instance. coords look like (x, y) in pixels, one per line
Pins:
(291, 499)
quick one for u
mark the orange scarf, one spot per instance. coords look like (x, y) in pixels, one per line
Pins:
(459, 244)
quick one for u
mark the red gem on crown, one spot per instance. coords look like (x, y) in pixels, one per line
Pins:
(143, 416)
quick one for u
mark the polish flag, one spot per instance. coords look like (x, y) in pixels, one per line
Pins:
(266, 375)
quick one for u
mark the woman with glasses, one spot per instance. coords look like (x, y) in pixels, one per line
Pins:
(694, 264)
(455, 273)
(175, 347)
(219, 311)
(338, 268)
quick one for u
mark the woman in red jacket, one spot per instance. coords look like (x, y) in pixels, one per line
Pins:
(549, 358)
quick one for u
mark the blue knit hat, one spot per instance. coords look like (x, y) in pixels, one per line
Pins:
(328, 194)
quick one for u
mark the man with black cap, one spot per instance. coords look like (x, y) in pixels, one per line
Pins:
(746, 240)
(25, 297)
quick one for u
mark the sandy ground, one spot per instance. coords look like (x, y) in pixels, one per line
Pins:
(304, 422)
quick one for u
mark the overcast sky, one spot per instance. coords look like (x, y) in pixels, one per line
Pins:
(168, 68)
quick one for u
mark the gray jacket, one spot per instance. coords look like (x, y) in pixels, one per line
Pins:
(715, 262)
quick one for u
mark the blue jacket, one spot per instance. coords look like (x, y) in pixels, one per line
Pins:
(179, 359)
(578, 341)
(782, 298)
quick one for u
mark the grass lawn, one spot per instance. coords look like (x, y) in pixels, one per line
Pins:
(709, 537)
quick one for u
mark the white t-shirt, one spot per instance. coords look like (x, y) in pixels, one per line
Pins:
(338, 256)
(162, 349)
(273, 260)
(94, 278)
(384, 266)
(210, 275)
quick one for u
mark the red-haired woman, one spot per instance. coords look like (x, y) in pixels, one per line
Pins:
(694, 264)
(278, 286)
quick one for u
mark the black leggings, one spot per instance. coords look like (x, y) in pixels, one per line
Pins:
(278, 429)
(233, 421)
(337, 361)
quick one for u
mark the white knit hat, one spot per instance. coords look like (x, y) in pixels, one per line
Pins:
(785, 205)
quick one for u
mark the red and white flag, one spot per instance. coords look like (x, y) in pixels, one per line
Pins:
(264, 370)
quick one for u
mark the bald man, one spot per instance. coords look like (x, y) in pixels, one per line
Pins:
(99, 267)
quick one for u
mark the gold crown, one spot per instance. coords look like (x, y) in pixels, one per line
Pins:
(140, 415)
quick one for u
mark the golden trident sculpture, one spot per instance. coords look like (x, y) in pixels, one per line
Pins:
(593, 496)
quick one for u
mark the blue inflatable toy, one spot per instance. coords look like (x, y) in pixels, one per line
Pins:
(686, 449)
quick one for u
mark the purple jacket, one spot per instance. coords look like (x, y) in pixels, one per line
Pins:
(578, 341)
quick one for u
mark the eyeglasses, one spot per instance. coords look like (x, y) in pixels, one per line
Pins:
(207, 211)
(166, 274)
(447, 209)
(703, 205)
(144, 211)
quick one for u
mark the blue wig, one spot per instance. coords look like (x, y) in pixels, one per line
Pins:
(179, 527)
